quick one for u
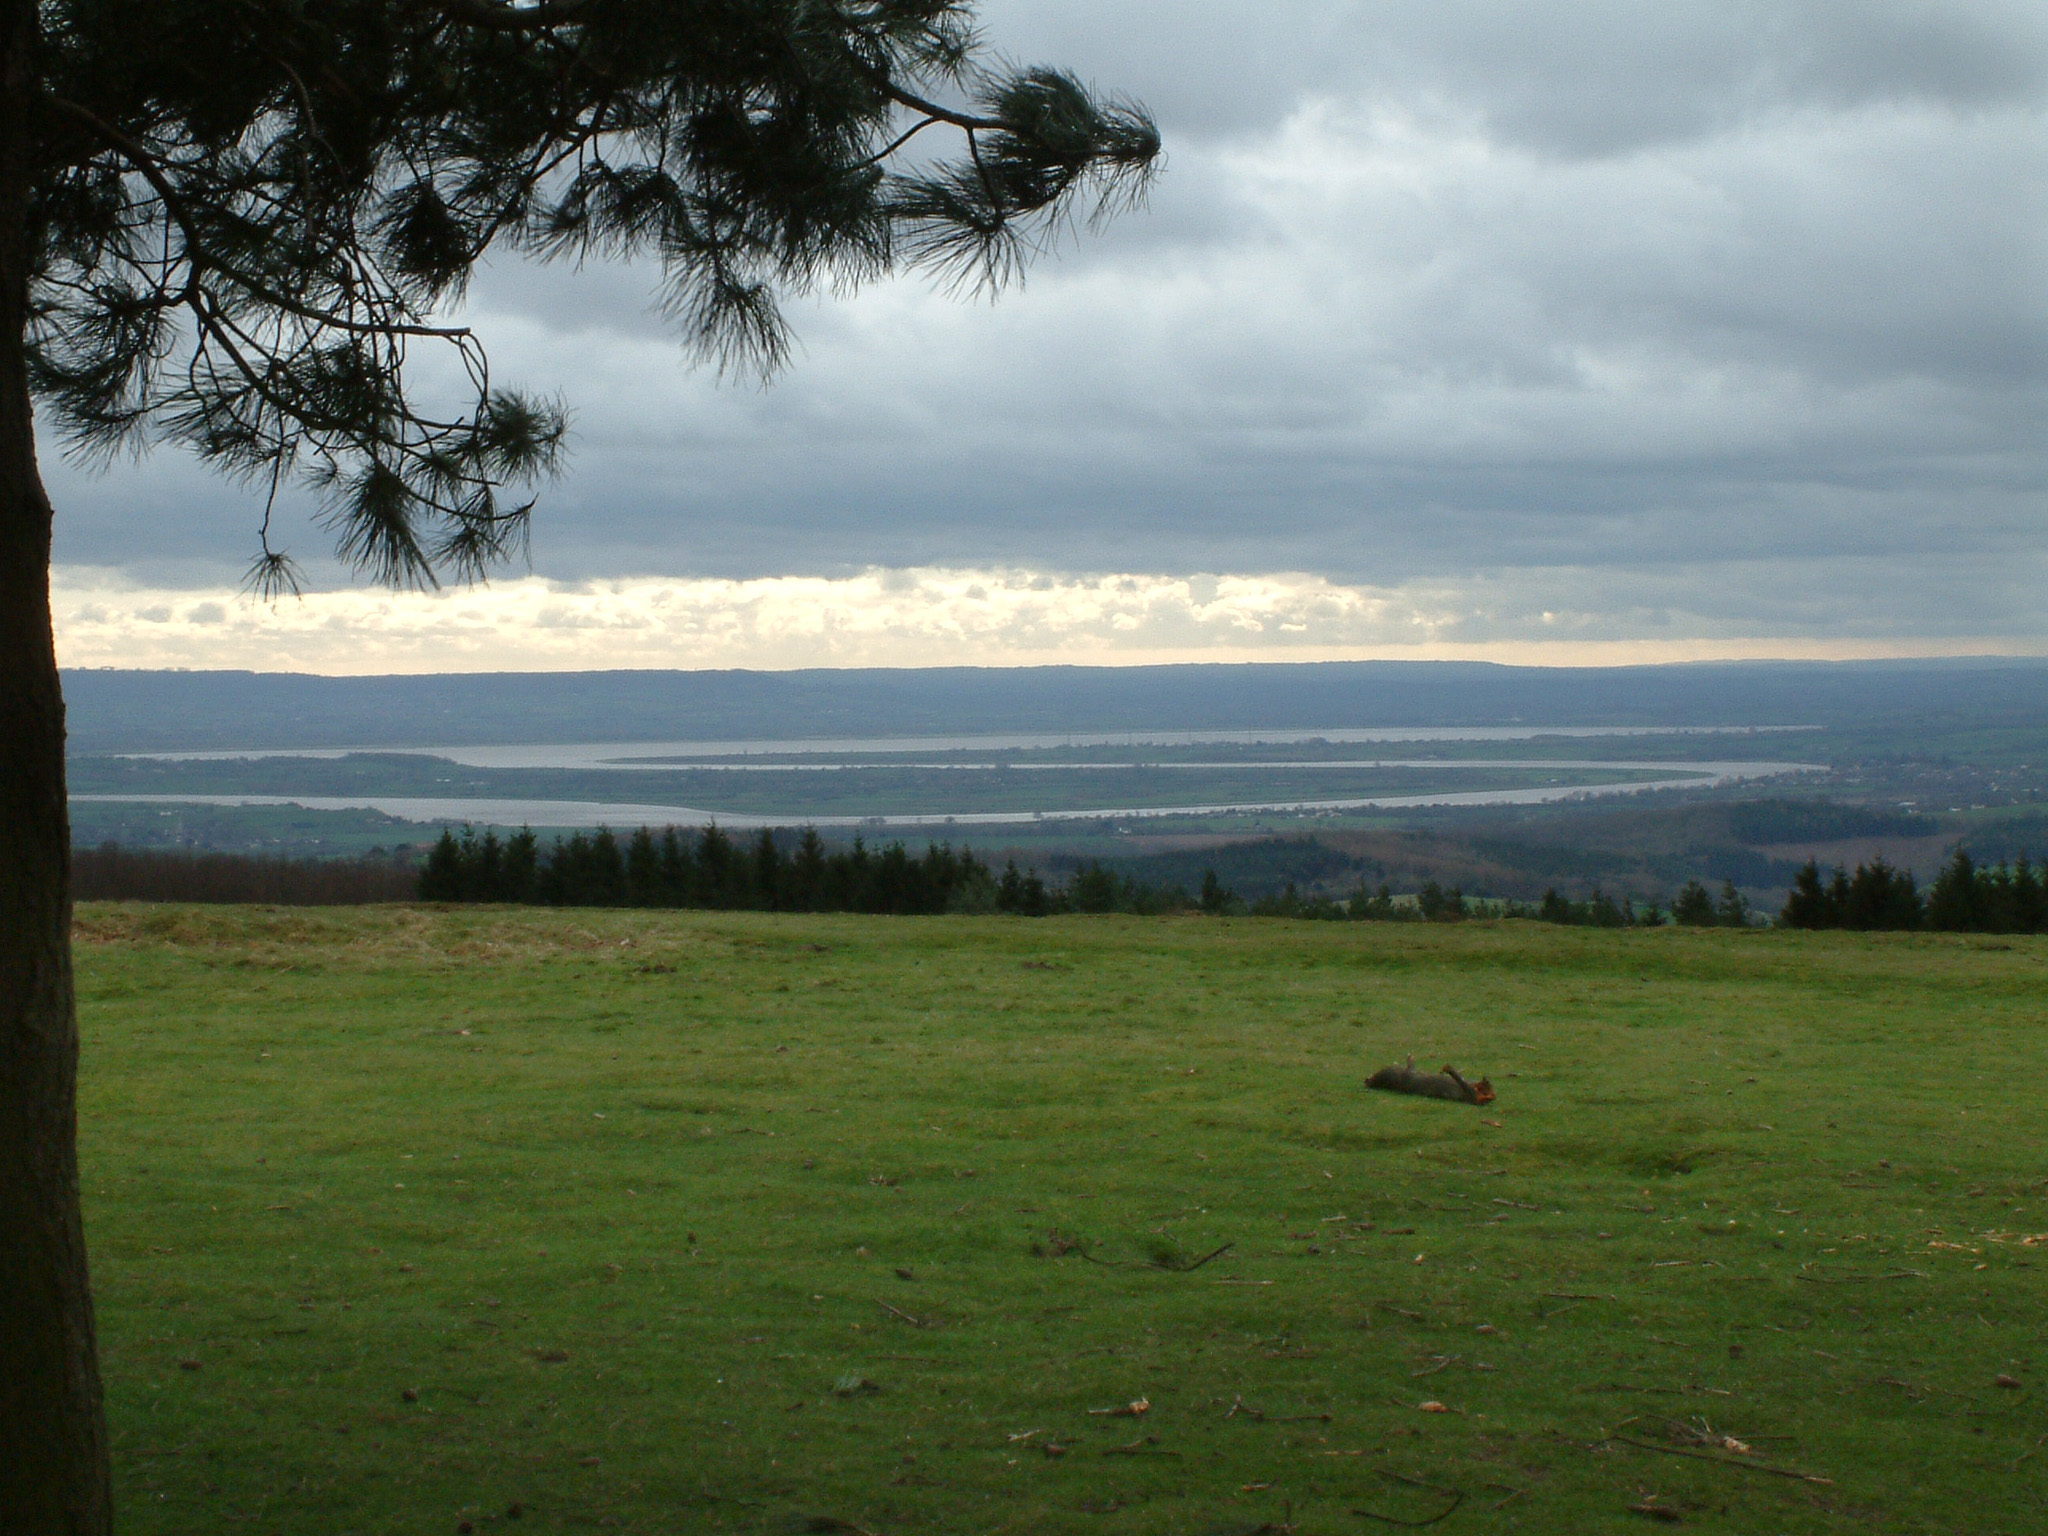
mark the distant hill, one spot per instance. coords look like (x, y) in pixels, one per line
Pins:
(113, 711)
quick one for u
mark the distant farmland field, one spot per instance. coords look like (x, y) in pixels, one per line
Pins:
(422, 1220)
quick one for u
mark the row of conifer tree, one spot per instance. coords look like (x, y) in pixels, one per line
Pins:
(1964, 898)
(709, 868)
(1694, 907)
(705, 868)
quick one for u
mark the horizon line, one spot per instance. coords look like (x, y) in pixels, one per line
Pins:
(1815, 657)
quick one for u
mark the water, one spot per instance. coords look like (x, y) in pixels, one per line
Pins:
(593, 813)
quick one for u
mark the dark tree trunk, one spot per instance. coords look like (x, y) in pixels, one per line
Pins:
(53, 1462)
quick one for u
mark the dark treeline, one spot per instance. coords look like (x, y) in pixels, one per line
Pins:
(1598, 910)
(1964, 898)
(1435, 903)
(708, 868)
(1693, 907)
(113, 873)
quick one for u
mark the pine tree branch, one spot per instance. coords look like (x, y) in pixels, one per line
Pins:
(150, 166)
(932, 109)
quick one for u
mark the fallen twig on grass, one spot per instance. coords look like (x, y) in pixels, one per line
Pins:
(1443, 1362)
(1159, 1264)
(1699, 1432)
(1182, 1269)
(1579, 1295)
(1239, 1406)
(1137, 1407)
(1457, 1497)
(1139, 1448)
(1897, 1274)
(1723, 1461)
(915, 1322)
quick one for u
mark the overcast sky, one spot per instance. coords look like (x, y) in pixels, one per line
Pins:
(1459, 324)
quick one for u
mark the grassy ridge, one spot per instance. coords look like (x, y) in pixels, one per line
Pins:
(619, 1197)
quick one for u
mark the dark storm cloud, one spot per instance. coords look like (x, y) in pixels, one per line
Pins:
(1739, 302)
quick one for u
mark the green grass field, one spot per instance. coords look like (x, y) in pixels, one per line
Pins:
(409, 1220)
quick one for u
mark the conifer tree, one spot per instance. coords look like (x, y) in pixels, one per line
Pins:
(1214, 898)
(1094, 888)
(1807, 905)
(768, 881)
(643, 869)
(2029, 899)
(1838, 896)
(807, 872)
(228, 224)
(1732, 909)
(441, 874)
(522, 859)
(677, 869)
(1438, 905)
(1880, 897)
(1692, 907)
(1954, 901)
(485, 858)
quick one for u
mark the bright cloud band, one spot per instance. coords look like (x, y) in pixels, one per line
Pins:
(891, 618)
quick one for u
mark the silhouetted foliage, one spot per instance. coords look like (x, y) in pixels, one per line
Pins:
(1598, 910)
(706, 868)
(1731, 910)
(1023, 894)
(1289, 902)
(1693, 907)
(1807, 905)
(1438, 905)
(2001, 899)
(1379, 907)
(1876, 897)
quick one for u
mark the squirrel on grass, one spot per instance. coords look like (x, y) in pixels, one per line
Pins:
(1431, 1085)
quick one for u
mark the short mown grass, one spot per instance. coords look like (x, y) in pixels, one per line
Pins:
(406, 1220)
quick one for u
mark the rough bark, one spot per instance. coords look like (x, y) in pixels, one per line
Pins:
(53, 1464)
